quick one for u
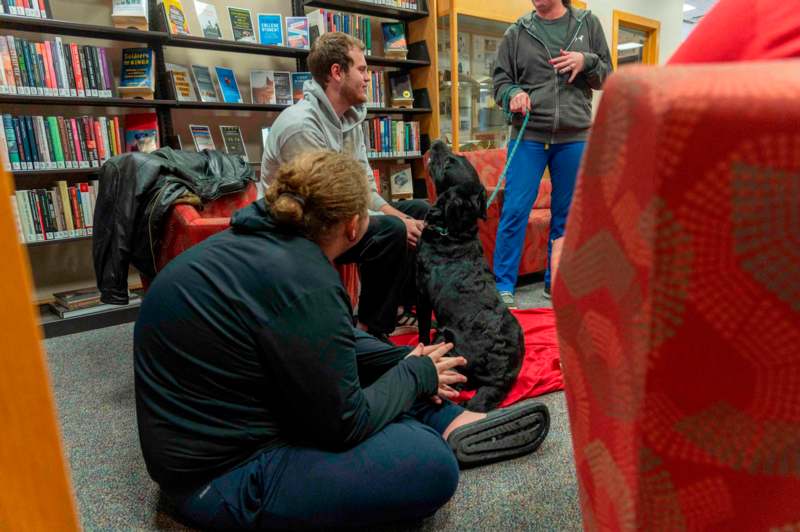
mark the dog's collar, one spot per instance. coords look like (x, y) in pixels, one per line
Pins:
(441, 230)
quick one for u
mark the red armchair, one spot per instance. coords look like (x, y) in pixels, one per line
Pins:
(677, 301)
(187, 226)
(489, 164)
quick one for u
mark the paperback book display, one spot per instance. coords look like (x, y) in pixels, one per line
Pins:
(394, 40)
(57, 213)
(182, 82)
(54, 68)
(175, 17)
(262, 87)
(209, 22)
(130, 14)
(401, 93)
(270, 29)
(201, 136)
(227, 85)
(297, 32)
(388, 137)
(321, 21)
(233, 141)
(137, 75)
(298, 80)
(141, 132)
(54, 142)
(283, 88)
(242, 24)
(402, 186)
(27, 8)
(204, 83)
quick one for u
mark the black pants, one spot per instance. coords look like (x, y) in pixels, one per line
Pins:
(403, 472)
(387, 267)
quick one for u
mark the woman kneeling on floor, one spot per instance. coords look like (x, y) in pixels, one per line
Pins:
(260, 405)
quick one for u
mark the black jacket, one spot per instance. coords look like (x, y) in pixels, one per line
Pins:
(245, 342)
(560, 111)
(136, 192)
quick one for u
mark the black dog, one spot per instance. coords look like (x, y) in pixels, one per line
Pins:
(455, 282)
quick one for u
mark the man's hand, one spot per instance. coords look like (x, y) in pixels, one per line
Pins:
(572, 62)
(413, 230)
(444, 369)
(521, 103)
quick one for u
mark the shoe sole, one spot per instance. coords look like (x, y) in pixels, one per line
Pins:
(504, 434)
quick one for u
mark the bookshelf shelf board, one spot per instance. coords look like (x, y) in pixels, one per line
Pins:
(60, 27)
(22, 99)
(57, 172)
(54, 326)
(393, 158)
(56, 241)
(398, 110)
(230, 106)
(398, 63)
(366, 8)
(191, 41)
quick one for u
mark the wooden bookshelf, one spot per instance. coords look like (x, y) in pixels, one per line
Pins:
(75, 29)
(367, 8)
(20, 99)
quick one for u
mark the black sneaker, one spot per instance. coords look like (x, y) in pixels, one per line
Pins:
(546, 292)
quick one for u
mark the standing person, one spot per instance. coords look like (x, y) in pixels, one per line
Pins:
(547, 64)
(330, 117)
(261, 406)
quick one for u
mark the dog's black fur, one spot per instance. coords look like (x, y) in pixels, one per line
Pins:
(455, 282)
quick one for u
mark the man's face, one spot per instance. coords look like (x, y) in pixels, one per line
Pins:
(545, 5)
(355, 80)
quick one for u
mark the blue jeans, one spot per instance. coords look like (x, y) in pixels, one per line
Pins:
(405, 471)
(521, 189)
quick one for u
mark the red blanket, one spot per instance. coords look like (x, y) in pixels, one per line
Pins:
(540, 373)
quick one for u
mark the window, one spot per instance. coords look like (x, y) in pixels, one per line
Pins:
(634, 40)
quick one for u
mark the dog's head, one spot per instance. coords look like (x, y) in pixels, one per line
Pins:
(461, 196)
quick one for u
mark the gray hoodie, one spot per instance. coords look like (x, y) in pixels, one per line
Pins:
(312, 124)
(560, 111)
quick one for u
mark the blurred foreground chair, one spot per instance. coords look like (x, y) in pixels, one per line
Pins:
(678, 301)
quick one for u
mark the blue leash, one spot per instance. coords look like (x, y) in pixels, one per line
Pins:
(502, 179)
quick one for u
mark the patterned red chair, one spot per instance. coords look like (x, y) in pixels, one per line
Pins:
(489, 164)
(678, 301)
(186, 226)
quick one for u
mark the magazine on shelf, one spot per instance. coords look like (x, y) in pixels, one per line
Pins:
(175, 17)
(209, 22)
(228, 88)
(233, 141)
(204, 83)
(137, 73)
(298, 80)
(182, 81)
(242, 24)
(283, 88)
(201, 136)
(270, 29)
(262, 87)
(297, 32)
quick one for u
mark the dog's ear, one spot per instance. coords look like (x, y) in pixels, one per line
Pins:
(479, 202)
(463, 205)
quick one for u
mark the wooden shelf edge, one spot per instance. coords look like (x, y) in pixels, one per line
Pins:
(60, 27)
(57, 241)
(23, 99)
(367, 8)
(53, 326)
(193, 41)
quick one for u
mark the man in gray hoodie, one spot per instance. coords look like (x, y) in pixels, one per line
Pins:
(330, 117)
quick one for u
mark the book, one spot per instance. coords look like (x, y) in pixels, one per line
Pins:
(209, 22)
(234, 143)
(175, 17)
(130, 14)
(394, 40)
(182, 82)
(283, 88)
(242, 24)
(298, 80)
(141, 132)
(297, 32)
(262, 86)
(402, 186)
(137, 75)
(270, 29)
(204, 83)
(201, 136)
(65, 313)
(401, 92)
(80, 297)
(228, 88)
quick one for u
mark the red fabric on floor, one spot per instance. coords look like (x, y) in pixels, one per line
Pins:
(540, 373)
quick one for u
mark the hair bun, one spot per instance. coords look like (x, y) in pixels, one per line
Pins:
(288, 208)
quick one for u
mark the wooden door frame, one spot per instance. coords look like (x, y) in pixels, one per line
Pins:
(650, 26)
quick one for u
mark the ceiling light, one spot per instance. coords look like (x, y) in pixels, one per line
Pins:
(688, 7)
(629, 46)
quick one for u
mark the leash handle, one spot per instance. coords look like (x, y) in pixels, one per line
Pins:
(501, 180)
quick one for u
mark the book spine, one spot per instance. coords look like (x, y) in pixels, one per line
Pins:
(22, 145)
(12, 51)
(100, 72)
(110, 88)
(4, 155)
(76, 68)
(23, 67)
(51, 84)
(57, 144)
(58, 215)
(66, 148)
(11, 141)
(96, 79)
(7, 74)
(67, 53)
(47, 143)
(88, 85)
(98, 136)
(36, 216)
(38, 67)
(47, 214)
(83, 161)
(91, 144)
(36, 146)
(24, 208)
(118, 135)
(86, 206)
(63, 193)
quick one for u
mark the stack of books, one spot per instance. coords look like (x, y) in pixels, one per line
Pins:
(388, 137)
(55, 214)
(83, 301)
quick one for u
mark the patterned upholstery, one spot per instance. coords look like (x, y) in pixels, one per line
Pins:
(186, 226)
(489, 164)
(678, 301)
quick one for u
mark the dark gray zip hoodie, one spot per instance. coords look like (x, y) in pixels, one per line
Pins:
(312, 124)
(560, 111)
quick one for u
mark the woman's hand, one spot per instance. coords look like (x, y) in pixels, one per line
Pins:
(572, 62)
(444, 369)
(521, 103)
